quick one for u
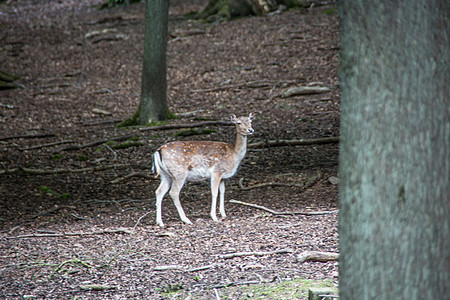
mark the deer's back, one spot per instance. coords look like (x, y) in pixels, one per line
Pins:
(199, 159)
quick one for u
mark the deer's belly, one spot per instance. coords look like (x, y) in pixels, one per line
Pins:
(198, 174)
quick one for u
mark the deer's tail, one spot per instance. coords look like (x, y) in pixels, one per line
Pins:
(156, 166)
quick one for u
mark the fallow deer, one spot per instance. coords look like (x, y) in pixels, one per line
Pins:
(180, 161)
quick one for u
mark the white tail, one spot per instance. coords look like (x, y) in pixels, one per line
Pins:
(178, 162)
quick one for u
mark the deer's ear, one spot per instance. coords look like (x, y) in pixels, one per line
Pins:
(251, 116)
(233, 118)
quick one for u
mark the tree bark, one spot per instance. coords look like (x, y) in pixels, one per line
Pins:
(395, 138)
(153, 104)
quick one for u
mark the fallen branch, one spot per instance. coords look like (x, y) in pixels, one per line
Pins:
(276, 143)
(251, 84)
(47, 145)
(133, 174)
(278, 213)
(139, 220)
(96, 143)
(59, 171)
(181, 268)
(317, 256)
(34, 235)
(305, 90)
(263, 253)
(265, 184)
(190, 125)
(26, 136)
(96, 287)
(102, 122)
(168, 267)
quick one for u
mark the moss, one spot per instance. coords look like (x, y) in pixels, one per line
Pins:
(133, 121)
(57, 156)
(127, 144)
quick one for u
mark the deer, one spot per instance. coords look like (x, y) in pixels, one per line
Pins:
(177, 162)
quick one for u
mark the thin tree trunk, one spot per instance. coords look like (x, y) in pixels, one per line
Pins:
(153, 104)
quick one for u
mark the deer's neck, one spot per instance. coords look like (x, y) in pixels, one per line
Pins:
(240, 146)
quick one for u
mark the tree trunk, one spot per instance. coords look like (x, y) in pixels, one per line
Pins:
(395, 140)
(228, 9)
(153, 104)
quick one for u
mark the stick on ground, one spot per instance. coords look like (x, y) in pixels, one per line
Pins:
(317, 256)
(279, 213)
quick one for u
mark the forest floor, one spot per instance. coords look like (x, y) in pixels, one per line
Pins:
(69, 231)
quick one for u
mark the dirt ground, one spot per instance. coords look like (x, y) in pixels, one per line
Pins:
(78, 235)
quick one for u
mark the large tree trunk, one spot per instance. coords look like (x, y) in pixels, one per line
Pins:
(395, 140)
(153, 104)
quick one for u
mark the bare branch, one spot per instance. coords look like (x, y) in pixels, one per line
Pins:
(47, 145)
(26, 136)
(33, 235)
(306, 213)
(263, 253)
(276, 143)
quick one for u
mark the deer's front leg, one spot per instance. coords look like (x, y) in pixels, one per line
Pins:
(222, 198)
(215, 182)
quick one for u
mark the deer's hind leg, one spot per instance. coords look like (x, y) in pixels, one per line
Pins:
(164, 186)
(174, 193)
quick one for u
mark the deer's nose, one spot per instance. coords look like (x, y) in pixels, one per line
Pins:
(250, 130)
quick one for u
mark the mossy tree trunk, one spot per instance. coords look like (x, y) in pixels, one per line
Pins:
(394, 168)
(228, 9)
(153, 104)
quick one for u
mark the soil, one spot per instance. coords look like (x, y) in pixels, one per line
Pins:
(79, 235)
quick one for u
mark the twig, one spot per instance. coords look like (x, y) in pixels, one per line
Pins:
(270, 184)
(26, 136)
(133, 174)
(278, 213)
(217, 294)
(317, 256)
(47, 145)
(113, 152)
(237, 254)
(168, 267)
(139, 220)
(33, 235)
(190, 125)
(275, 143)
